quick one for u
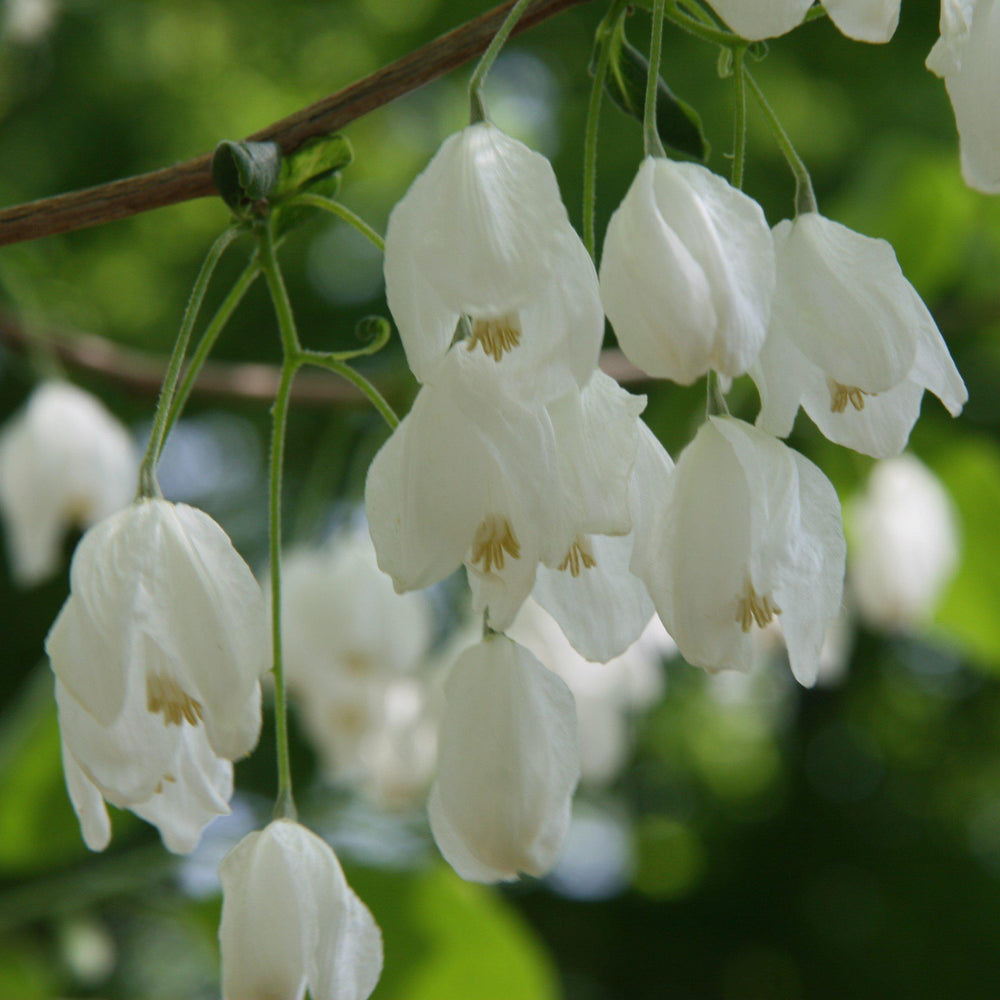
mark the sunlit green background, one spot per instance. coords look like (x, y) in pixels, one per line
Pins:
(841, 842)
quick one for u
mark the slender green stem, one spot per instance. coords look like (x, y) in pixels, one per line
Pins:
(650, 133)
(332, 363)
(477, 106)
(342, 212)
(695, 10)
(321, 357)
(805, 197)
(284, 807)
(740, 124)
(279, 293)
(148, 486)
(207, 342)
(605, 31)
(716, 404)
(700, 30)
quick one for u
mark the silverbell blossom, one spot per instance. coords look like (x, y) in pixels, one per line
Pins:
(291, 923)
(600, 604)
(687, 273)
(748, 530)
(756, 19)
(65, 462)
(476, 474)
(965, 57)
(157, 653)
(507, 764)
(850, 341)
(864, 20)
(481, 248)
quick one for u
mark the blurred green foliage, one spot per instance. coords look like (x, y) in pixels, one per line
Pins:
(788, 844)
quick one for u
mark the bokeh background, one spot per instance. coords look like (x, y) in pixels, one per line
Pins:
(761, 841)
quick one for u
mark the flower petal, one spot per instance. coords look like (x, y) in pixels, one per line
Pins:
(507, 766)
(864, 20)
(756, 19)
(88, 803)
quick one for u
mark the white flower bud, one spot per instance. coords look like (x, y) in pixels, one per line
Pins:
(290, 922)
(507, 764)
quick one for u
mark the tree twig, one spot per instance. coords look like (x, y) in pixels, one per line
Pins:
(142, 373)
(192, 178)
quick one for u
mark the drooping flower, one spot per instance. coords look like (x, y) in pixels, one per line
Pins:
(291, 923)
(687, 273)
(481, 247)
(357, 683)
(965, 57)
(748, 530)
(850, 341)
(863, 20)
(64, 462)
(756, 19)
(606, 694)
(476, 474)
(904, 544)
(157, 653)
(599, 603)
(507, 764)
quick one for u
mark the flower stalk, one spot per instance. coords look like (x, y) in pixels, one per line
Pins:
(650, 135)
(477, 104)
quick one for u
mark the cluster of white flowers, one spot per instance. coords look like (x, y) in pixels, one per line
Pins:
(525, 463)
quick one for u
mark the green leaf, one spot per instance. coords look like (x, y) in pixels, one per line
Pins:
(315, 166)
(245, 172)
(452, 940)
(677, 123)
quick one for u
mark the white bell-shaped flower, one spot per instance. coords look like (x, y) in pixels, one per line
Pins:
(474, 473)
(965, 56)
(291, 923)
(864, 20)
(904, 544)
(481, 245)
(756, 19)
(600, 604)
(748, 530)
(158, 652)
(687, 273)
(65, 462)
(507, 764)
(850, 341)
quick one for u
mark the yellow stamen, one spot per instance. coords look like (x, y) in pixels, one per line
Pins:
(494, 537)
(496, 336)
(164, 694)
(579, 557)
(753, 608)
(841, 395)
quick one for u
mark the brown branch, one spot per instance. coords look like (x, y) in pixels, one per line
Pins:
(192, 179)
(142, 374)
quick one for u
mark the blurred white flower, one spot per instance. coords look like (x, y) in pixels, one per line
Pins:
(748, 529)
(65, 462)
(157, 653)
(354, 650)
(850, 341)
(507, 764)
(965, 56)
(606, 694)
(481, 245)
(291, 923)
(904, 545)
(687, 273)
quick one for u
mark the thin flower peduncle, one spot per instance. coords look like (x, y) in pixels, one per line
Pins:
(605, 30)
(207, 342)
(284, 807)
(650, 134)
(740, 118)
(148, 486)
(342, 212)
(477, 104)
(805, 197)
(715, 404)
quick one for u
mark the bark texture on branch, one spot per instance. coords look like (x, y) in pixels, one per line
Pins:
(193, 179)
